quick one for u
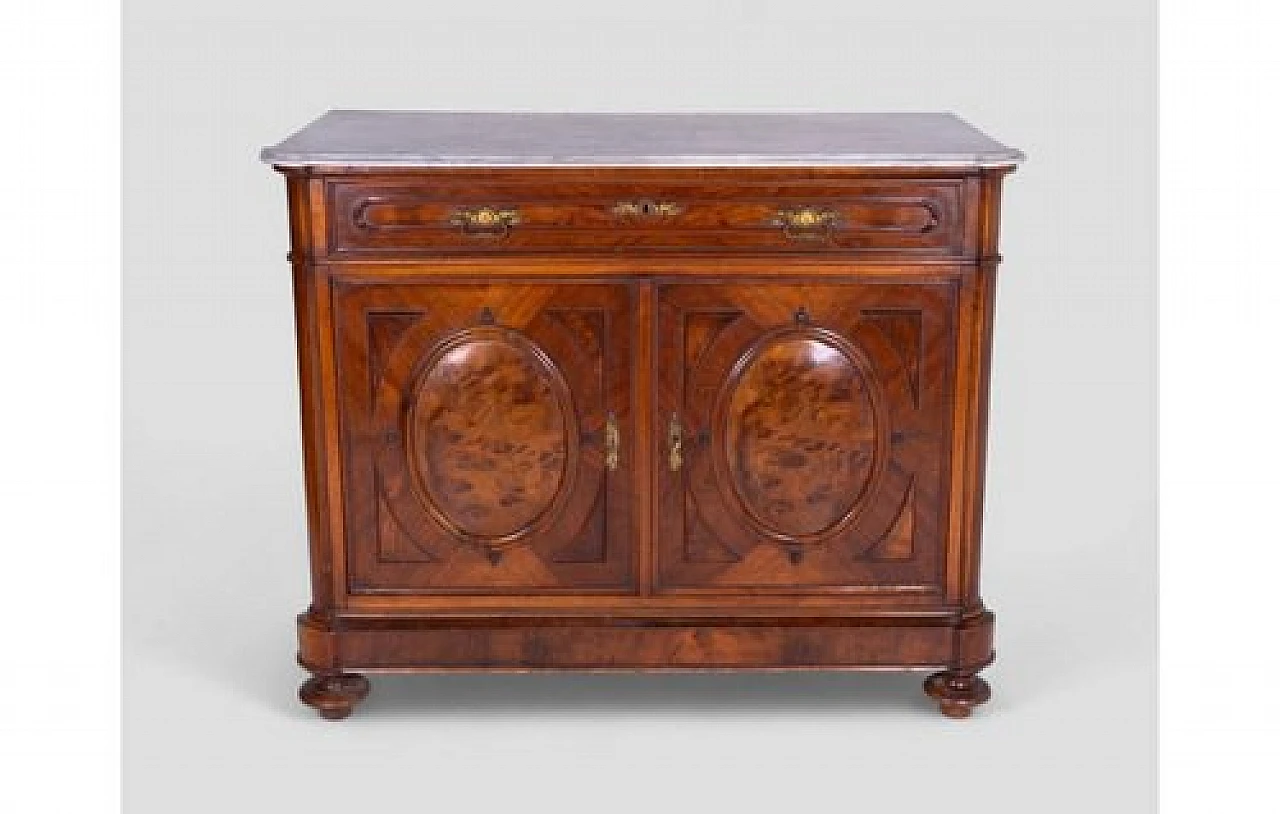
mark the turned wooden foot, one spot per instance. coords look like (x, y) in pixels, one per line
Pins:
(957, 692)
(334, 695)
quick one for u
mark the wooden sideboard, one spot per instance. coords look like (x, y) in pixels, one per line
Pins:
(643, 392)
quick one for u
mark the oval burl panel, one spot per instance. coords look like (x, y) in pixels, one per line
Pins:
(800, 435)
(490, 435)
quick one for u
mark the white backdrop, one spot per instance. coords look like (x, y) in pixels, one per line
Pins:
(215, 558)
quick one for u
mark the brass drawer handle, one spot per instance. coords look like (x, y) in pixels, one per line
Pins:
(647, 209)
(612, 442)
(675, 439)
(485, 221)
(805, 222)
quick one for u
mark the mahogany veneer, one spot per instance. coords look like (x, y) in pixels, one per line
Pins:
(623, 417)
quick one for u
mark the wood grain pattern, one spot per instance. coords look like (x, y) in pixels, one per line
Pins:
(490, 435)
(602, 647)
(830, 394)
(805, 429)
(478, 463)
(592, 642)
(800, 435)
(392, 215)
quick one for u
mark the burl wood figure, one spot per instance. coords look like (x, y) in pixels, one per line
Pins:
(643, 392)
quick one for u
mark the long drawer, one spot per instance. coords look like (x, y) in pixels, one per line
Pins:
(430, 216)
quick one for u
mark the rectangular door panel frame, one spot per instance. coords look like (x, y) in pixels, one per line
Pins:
(525, 573)
(669, 384)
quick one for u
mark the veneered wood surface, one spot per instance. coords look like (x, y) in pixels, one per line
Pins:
(831, 399)
(397, 216)
(473, 434)
(602, 647)
(799, 435)
(600, 643)
(491, 433)
(816, 425)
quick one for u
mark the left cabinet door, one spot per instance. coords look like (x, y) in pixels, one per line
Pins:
(487, 438)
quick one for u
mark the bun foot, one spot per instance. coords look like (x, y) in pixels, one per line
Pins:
(334, 695)
(957, 692)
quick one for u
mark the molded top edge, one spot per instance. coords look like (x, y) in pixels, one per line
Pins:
(420, 138)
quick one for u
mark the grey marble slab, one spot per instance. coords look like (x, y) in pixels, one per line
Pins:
(404, 138)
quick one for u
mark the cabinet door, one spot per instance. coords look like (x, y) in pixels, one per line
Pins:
(486, 433)
(802, 436)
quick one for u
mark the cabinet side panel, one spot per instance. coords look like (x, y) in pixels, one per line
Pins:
(976, 383)
(330, 445)
(305, 308)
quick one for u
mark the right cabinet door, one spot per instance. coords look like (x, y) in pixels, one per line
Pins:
(802, 435)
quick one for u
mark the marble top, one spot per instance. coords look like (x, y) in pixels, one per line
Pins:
(412, 138)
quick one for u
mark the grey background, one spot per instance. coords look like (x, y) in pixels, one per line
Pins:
(214, 548)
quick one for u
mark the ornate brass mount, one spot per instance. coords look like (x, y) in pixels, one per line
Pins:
(612, 442)
(485, 221)
(806, 222)
(647, 209)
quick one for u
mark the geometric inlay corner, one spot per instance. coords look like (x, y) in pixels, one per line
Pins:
(904, 330)
(395, 543)
(700, 330)
(384, 330)
(700, 544)
(590, 543)
(586, 325)
(898, 543)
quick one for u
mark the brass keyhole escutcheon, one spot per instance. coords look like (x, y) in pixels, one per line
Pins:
(612, 443)
(675, 441)
(647, 209)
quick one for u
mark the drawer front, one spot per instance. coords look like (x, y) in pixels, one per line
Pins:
(911, 216)
(802, 436)
(486, 437)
